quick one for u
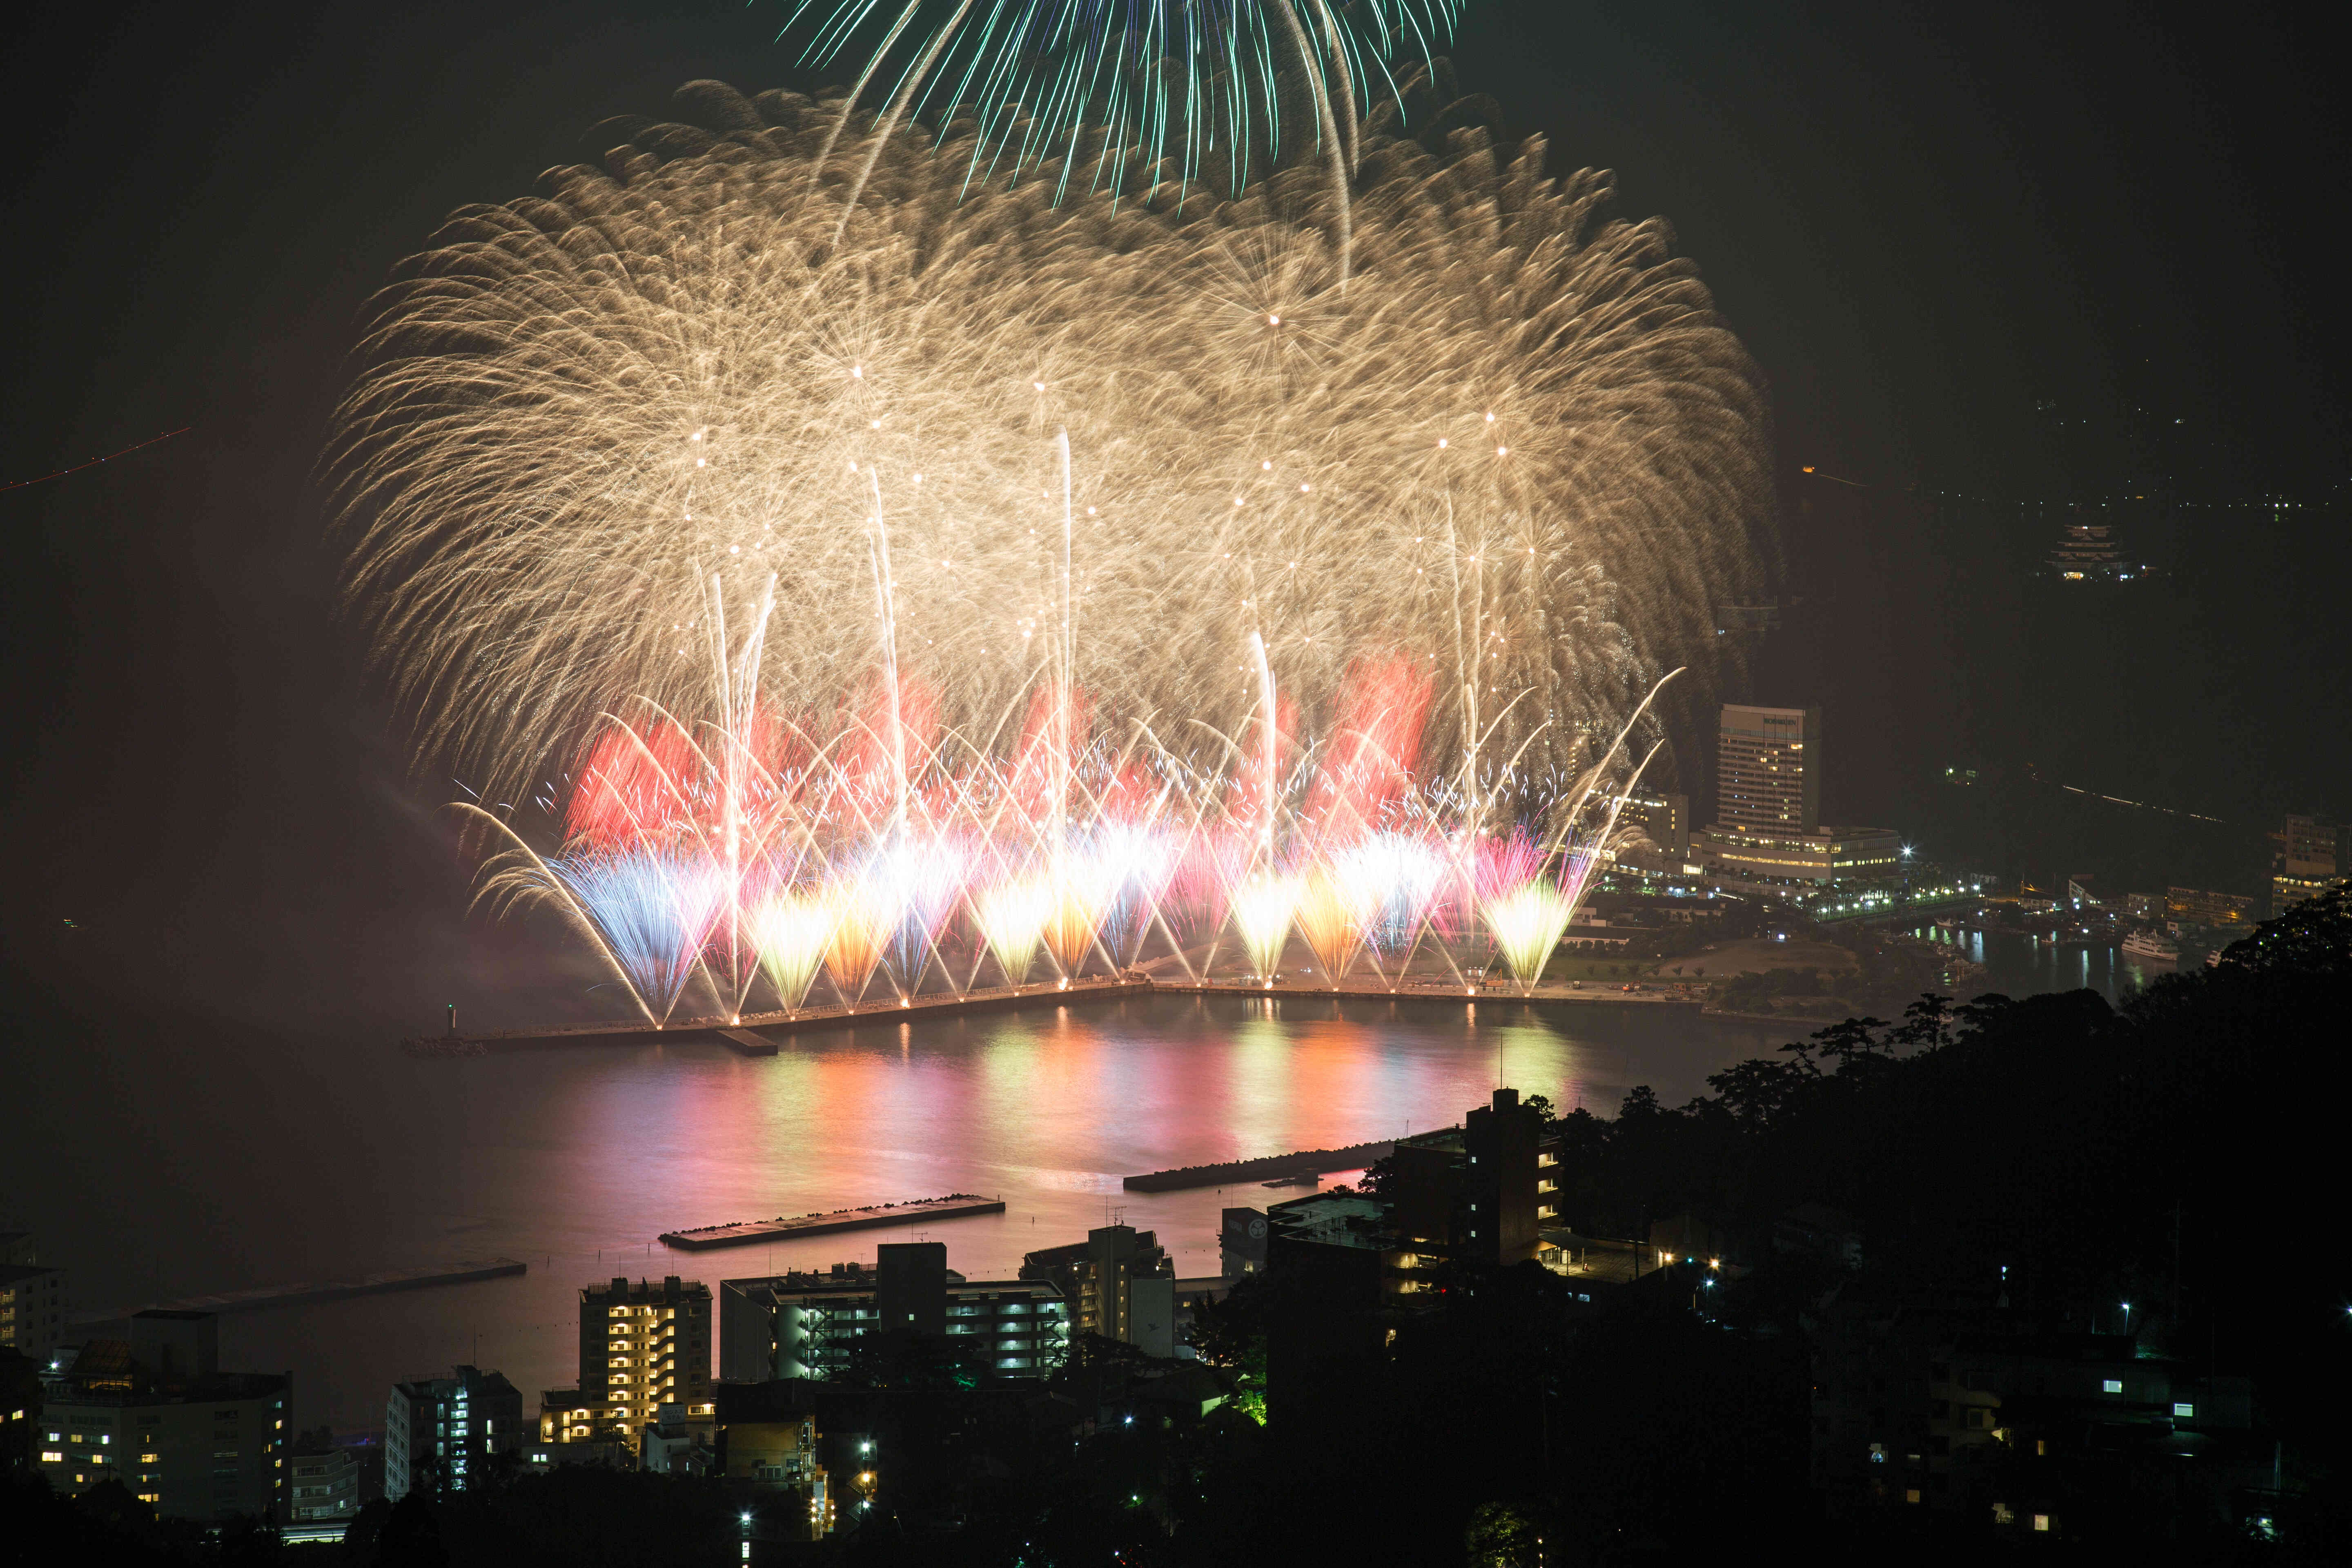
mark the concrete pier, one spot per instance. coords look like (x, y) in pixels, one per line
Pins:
(744, 1043)
(737, 1033)
(953, 1206)
(459, 1273)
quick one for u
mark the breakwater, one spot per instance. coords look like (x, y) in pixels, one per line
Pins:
(955, 1205)
(736, 1032)
(465, 1272)
(831, 1016)
(1306, 1163)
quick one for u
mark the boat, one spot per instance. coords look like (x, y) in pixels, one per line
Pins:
(2152, 946)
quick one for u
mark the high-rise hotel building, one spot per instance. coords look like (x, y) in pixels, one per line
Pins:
(1765, 776)
(1768, 817)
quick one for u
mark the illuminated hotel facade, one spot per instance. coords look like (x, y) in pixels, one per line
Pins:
(1764, 778)
(1769, 806)
(2314, 854)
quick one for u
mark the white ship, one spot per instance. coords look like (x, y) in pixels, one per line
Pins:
(2152, 946)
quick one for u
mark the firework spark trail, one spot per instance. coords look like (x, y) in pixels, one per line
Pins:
(1521, 452)
(1193, 91)
(721, 863)
(1290, 582)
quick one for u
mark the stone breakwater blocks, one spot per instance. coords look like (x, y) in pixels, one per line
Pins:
(826, 1223)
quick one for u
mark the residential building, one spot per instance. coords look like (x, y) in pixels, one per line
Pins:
(326, 1486)
(1662, 819)
(1956, 1404)
(642, 1346)
(1820, 1232)
(1768, 768)
(2224, 912)
(1120, 1284)
(767, 1436)
(438, 1431)
(2314, 854)
(32, 1309)
(1192, 1295)
(1346, 1240)
(768, 1445)
(156, 1413)
(803, 1324)
(1481, 1192)
(926, 1458)
(2288, 891)
(671, 1445)
(1241, 1243)
(1338, 1270)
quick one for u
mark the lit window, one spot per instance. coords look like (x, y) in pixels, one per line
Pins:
(2110, 1386)
(2184, 1410)
(52, 1457)
(2041, 1521)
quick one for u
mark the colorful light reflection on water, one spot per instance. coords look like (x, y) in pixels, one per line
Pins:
(574, 1159)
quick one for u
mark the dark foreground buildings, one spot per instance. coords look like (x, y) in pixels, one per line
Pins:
(440, 1433)
(156, 1413)
(804, 1325)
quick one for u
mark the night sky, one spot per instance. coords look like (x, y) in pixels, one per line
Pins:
(1977, 249)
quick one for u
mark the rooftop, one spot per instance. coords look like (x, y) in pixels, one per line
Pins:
(671, 1288)
(1333, 1219)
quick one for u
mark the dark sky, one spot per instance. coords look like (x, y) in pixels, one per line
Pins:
(1923, 220)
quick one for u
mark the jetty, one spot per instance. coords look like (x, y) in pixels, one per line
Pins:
(465, 1272)
(955, 1205)
(736, 1032)
(744, 1043)
(752, 1034)
(1305, 1164)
